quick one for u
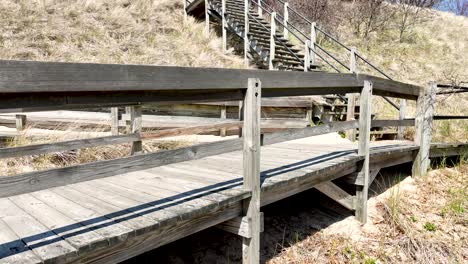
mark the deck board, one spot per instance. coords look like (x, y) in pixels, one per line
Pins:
(113, 218)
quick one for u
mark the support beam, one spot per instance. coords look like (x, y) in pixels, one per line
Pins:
(337, 194)
(136, 124)
(313, 41)
(207, 19)
(271, 57)
(423, 128)
(246, 32)
(402, 116)
(251, 165)
(114, 121)
(363, 150)
(285, 21)
(240, 226)
(222, 131)
(20, 122)
(224, 25)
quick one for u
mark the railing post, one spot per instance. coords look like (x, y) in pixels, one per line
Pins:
(351, 107)
(271, 57)
(222, 131)
(114, 121)
(402, 116)
(363, 150)
(251, 166)
(224, 25)
(306, 56)
(136, 126)
(286, 19)
(313, 41)
(260, 10)
(185, 10)
(246, 31)
(423, 128)
(207, 19)
(21, 122)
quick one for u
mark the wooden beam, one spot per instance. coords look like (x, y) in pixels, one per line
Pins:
(392, 123)
(402, 116)
(246, 32)
(286, 20)
(34, 181)
(223, 116)
(271, 54)
(241, 226)
(423, 129)
(224, 24)
(207, 19)
(136, 125)
(65, 146)
(190, 130)
(20, 122)
(291, 134)
(251, 166)
(350, 115)
(115, 120)
(363, 150)
(337, 194)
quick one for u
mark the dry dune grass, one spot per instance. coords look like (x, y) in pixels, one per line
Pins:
(107, 31)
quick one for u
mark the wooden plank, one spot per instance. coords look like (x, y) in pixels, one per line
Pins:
(251, 164)
(240, 226)
(65, 146)
(75, 233)
(12, 249)
(34, 181)
(292, 134)
(44, 243)
(136, 126)
(363, 150)
(190, 130)
(337, 194)
(423, 129)
(392, 123)
(21, 122)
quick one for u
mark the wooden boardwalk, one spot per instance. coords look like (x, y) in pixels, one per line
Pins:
(114, 218)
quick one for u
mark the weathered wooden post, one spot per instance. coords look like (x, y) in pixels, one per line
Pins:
(136, 126)
(185, 10)
(423, 128)
(285, 21)
(224, 24)
(260, 10)
(207, 19)
(20, 122)
(114, 121)
(350, 113)
(222, 131)
(402, 116)
(246, 32)
(251, 165)
(306, 56)
(271, 57)
(241, 115)
(363, 150)
(313, 41)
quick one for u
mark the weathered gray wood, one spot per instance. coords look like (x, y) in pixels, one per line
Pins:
(65, 145)
(363, 150)
(115, 121)
(402, 116)
(423, 129)
(271, 55)
(292, 134)
(350, 115)
(306, 55)
(224, 24)
(246, 32)
(223, 116)
(392, 123)
(12, 249)
(251, 164)
(313, 42)
(286, 20)
(55, 249)
(240, 226)
(207, 19)
(34, 181)
(136, 126)
(21, 122)
(337, 194)
(189, 130)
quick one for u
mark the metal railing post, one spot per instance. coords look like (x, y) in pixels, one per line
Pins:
(285, 21)
(272, 41)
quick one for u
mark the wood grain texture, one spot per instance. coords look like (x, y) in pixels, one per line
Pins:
(337, 194)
